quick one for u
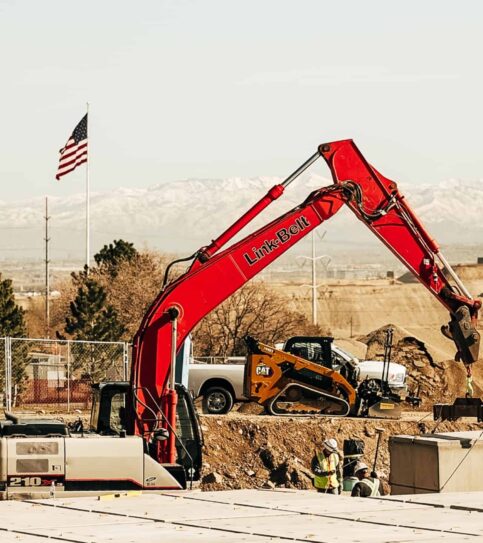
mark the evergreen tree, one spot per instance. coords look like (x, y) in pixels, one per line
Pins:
(91, 316)
(12, 316)
(111, 256)
(91, 319)
(12, 324)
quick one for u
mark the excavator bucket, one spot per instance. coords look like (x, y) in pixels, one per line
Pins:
(385, 408)
(462, 330)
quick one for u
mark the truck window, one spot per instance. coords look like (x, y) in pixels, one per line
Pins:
(337, 360)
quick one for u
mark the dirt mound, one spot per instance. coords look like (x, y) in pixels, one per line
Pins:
(250, 408)
(431, 380)
(352, 346)
(469, 271)
(248, 451)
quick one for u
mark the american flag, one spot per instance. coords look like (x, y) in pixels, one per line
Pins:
(74, 153)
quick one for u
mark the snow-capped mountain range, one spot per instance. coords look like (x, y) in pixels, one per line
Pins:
(183, 215)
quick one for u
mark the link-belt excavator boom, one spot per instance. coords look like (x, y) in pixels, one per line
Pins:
(215, 274)
(151, 439)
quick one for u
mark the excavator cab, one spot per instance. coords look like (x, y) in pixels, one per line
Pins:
(108, 417)
(108, 413)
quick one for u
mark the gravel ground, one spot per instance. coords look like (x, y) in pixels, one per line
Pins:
(252, 451)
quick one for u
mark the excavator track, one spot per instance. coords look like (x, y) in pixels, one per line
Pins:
(318, 403)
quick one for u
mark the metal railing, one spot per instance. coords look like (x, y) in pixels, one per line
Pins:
(57, 373)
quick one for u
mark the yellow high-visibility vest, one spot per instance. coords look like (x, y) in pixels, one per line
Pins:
(327, 463)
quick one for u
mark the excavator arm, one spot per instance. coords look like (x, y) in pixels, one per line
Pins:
(215, 274)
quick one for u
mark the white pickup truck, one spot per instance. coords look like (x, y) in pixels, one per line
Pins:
(221, 384)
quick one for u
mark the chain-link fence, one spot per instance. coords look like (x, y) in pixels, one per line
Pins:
(56, 373)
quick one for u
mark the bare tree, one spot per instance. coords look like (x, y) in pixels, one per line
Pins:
(130, 292)
(134, 288)
(35, 317)
(254, 310)
(60, 306)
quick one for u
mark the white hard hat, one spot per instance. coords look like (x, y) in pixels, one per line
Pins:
(360, 466)
(330, 445)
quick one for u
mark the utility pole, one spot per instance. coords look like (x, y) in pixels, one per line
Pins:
(314, 286)
(47, 274)
(314, 282)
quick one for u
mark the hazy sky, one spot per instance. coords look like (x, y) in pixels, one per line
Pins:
(219, 88)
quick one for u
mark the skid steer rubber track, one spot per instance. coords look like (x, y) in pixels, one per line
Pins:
(312, 401)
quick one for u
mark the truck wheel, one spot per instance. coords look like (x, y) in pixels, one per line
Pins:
(217, 400)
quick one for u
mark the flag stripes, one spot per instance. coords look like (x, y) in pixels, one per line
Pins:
(74, 153)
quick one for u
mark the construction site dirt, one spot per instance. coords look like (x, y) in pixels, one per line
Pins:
(428, 376)
(245, 450)
(248, 449)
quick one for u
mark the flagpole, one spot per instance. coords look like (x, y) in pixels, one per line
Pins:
(87, 197)
(47, 271)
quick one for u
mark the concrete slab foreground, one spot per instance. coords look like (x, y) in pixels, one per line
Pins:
(470, 501)
(247, 515)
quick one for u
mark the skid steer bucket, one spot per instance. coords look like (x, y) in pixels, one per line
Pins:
(385, 408)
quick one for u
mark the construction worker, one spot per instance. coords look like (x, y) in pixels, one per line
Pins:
(327, 468)
(367, 486)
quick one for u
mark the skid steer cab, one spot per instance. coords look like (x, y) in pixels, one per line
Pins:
(42, 458)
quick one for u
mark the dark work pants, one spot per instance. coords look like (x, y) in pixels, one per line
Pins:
(328, 490)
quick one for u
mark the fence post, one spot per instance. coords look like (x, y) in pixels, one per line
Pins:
(125, 356)
(5, 380)
(68, 376)
(5, 372)
(8, 373)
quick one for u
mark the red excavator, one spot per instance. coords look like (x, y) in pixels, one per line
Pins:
(215, 274)
(155, 432)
